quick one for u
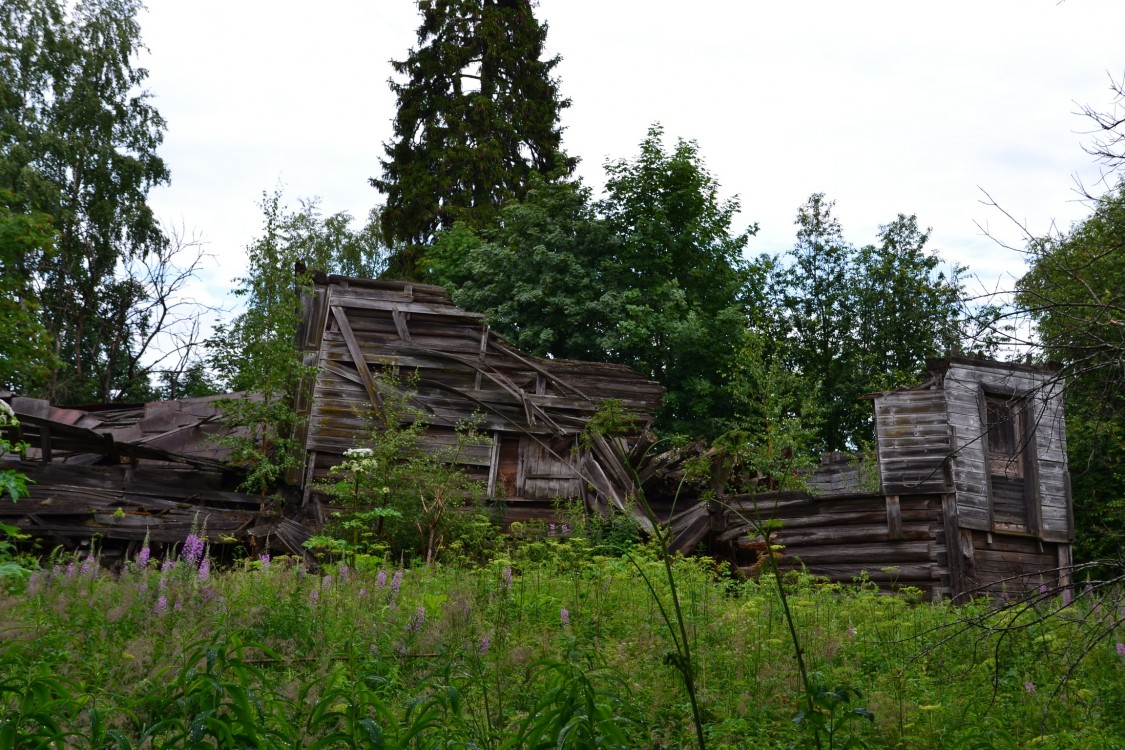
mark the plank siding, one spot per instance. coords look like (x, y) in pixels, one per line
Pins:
(459, 370)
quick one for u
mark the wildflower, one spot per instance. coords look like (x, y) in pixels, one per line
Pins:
(193, 549)
(71, 569)
(1042, 588)
(565, 529)
(314, 596)
(396, 582)
(1087, 589)
(143, 557)
(1121, 649)
(550, 529)
(343, 572)
(381, 580)
(564, 615)
(167, 566)
(417, 620)
(1068, 597)
(359, 453)
(143, 588)
(506, 577)
(204, 570)
(178, 606)
(1029, 686)
(265, 561)
(326, 582)
(89, 565)
(161, 605)
(484, 644)
(362, 592)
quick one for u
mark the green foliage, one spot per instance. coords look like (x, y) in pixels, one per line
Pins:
(256, 354)
(270, 655)
(854, 321)
(650, 276)
(404, 496)
(78, 140)
(26, 356)
(478, 113)
(1074, 291)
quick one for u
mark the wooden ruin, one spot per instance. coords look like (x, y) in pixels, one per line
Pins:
(971, 494)
(356, 331)
(967, 491)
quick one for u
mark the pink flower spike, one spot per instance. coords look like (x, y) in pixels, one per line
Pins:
(1029, 686)
(1121, 649)
(204, 570)
(564, 615)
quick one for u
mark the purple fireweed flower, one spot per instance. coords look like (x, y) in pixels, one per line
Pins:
(565, 529)
(89, 566)
(1068, 597)
(416, 621)
(550, 529)
(363, 592)
(326, 582)
(193, 549)
(143, 588)
(178, 605)
(343, 572)
(143, 557)
(265, 561)
(564, 615)
(162, 583)
(381, 580)
(1121, 649)
(71, 569)
(506, 577)
(396, 582)
(314, 596)
(1029, 686)
(161, 605)
(1042, 588)
(167, 565)
(484, 644)
(1087, 589)
(204, 570)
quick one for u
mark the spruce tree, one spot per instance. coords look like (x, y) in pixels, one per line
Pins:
(478, 112)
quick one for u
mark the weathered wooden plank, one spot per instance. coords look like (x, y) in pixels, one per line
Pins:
(888, 553)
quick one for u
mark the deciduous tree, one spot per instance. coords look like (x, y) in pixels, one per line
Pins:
(651, 276)
(78, 140)
(1075, 293)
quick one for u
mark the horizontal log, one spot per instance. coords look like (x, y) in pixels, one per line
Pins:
(876, 553)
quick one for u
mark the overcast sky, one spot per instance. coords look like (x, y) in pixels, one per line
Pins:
(887, 107)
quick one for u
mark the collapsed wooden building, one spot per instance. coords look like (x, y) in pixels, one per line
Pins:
(967, 490)
(968, 493)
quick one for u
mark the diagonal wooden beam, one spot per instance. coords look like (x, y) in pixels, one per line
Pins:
(357, 355)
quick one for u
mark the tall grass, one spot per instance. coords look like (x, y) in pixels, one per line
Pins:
(552, 645)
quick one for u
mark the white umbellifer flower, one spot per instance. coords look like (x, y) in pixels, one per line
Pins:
(359, 453)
